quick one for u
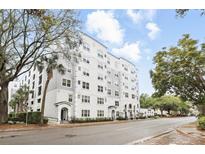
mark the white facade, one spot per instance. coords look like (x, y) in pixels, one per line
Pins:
(100, 85)
(146, 112)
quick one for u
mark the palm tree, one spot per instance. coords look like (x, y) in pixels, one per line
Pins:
(19, 99)
(50, 64)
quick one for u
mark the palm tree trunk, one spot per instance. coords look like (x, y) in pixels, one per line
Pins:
(43, 100)
(4, 103)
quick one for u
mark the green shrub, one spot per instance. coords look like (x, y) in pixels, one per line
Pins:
(121, 118)
(201, 122)
(84, 120)
(33, 117)
(45, 121)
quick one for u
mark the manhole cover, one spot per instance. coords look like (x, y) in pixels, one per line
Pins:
(70, 135)
(8, 136)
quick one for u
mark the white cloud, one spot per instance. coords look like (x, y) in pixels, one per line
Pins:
(153, 30)
(141, 15)
(130, 51)
(136, 17)
(105, 26)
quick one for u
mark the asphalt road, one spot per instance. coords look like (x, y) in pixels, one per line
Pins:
(110, 134)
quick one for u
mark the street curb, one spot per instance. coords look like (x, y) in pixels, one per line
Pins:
(73, 125)
(150, 137)
(62, 126)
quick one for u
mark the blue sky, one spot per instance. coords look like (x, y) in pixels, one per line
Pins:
(138, 34)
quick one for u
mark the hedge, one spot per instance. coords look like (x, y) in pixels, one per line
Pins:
(33, 117)
(201, 122)
(84, 120)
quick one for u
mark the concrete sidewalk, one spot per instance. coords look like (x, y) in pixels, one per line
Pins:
(184, 135)
(23, 127)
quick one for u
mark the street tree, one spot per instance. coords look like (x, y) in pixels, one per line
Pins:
(183, 12)
(147, 101)
(26, 35)
(180, 70)
(19, 100)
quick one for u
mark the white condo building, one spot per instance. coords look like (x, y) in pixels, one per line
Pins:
(100, 85)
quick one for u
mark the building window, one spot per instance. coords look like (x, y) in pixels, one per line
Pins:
(100, 55)
(85, 85)
(126, 95)
(108, 62)
(116, 93)
(100, 78)
(39, 100)
(109, 91)
(31, 102)
(70, 98)
(86, 46)
(100, 113)
(126, 78)
(100, 88)
(85, 113)
(40, 79)
(85, 73)
(117, 103)
(39, 90)
(133, 96)
(66, 83)
(85, 60)
(100, 100)
(38, 110)
(130, 106)
(69, 70)
(100, 66)
(117, 113)
(109, 82)
(34, 77)
(79, 82)
(85, 99)
(33, 86)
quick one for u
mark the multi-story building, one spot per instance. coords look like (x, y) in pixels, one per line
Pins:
(99, 85)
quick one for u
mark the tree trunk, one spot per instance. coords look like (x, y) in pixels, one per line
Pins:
(43, 100)
(161, 112)
(4, 103)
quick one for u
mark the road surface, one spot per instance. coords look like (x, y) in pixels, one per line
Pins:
(110, 134)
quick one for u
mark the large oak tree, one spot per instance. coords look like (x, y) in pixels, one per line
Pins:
(26, 35)
(180, 70)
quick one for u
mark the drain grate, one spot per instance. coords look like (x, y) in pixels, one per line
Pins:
(70, 135)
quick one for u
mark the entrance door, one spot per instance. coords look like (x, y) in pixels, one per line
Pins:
(113, 114)
(64, 114)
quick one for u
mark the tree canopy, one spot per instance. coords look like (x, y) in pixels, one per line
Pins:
(26, 35)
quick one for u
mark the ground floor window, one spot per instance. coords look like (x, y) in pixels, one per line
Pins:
(117, 103)
(70, 98)
(117, 113)
(100, 113)
(85, 113)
